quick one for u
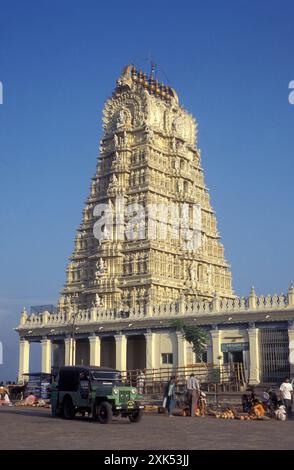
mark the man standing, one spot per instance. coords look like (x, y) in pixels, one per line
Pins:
(286, 390)
(193, 391)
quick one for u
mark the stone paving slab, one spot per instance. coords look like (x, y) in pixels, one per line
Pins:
(35, 429)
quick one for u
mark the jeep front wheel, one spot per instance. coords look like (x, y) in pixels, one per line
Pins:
(136, 416)
(104, 412)
(68, 408)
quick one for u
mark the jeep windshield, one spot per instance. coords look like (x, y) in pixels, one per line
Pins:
(106, 377)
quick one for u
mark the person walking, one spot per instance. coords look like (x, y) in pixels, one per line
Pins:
(141, 382)
(193, 392)
(286, 390)
(170, 396)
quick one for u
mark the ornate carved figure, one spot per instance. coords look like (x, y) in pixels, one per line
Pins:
(174, 144)
(97, 300)
(100, 264)
(193, 271)
(123, 118)
(209, 275)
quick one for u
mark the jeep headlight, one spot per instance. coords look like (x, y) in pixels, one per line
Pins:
(133, 391)
(115, 391)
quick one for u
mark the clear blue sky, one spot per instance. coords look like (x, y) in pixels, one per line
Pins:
(230, 62)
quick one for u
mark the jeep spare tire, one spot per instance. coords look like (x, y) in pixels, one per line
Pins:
(104, 412)
(68, 408)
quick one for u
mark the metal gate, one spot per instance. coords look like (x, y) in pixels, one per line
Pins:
(274, 354)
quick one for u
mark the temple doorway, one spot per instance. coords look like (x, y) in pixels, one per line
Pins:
(108, 352)
(82, 352)
(136, 352)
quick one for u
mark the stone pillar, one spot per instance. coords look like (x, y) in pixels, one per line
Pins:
(24, 316)
(216, 347)
(24, 359)
(150, 350)
(70, 352)
(121, 352)
(254, 370)
(252, 299)
(45, 317)
(291, 295)
(149, 309)
(182, 305)
(46, 355)
(216, 302)
(95, 350)
(94, 313)
(291, 347)
(182, 350)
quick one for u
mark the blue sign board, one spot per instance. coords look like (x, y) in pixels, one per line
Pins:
(230, 347)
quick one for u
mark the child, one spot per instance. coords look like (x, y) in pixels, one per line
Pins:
(257, 409)
(246, 404)
(281, 413)
(202, 403)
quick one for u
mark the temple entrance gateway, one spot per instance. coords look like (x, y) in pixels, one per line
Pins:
(36, 353)
(108, 352)
(235, 355)
(136, 352)
(234, 352)
(82, 352)
(58, 354)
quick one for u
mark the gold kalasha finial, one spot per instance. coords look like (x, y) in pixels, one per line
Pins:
(131, 74)
(134, 73)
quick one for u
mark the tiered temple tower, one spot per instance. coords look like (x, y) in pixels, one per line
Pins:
(148, 234)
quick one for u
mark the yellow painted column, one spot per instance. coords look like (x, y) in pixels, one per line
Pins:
(216, 347)
(254, 363)
(95, 350)
(182, 350)
(24, 359)
(150, 350)
(121, 352)
(46, 355)
(69, 352)
(291, 347)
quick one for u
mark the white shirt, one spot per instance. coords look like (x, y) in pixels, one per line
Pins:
(286, 389)
(193, 384)
(6, 398)
(281, 413)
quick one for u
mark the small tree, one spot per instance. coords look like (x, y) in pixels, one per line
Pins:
(194, 334)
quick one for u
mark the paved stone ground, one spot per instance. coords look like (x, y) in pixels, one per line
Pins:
(35, 429)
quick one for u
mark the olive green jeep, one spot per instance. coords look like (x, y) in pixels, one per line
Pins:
(97, 391)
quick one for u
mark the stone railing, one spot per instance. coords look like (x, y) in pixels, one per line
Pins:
(218, 305)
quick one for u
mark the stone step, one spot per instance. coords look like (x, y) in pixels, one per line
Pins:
(225, 398)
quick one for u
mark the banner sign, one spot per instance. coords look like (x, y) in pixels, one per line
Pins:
(228, 347)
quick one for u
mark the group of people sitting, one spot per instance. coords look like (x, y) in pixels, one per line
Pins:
(194, 400)
(279, 407)
(4, 396)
